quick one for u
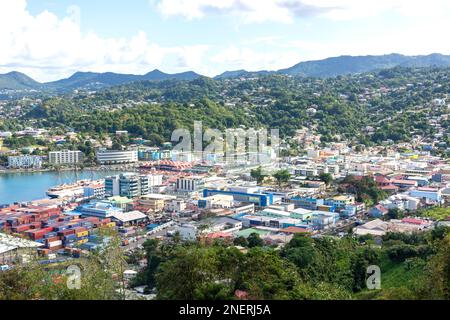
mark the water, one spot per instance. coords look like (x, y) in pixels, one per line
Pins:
(20, 187)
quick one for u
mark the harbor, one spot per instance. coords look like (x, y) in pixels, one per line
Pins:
(23, 187)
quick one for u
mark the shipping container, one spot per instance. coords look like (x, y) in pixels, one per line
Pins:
(66, 232)
(70, 236)
(82, 234)
(54, 244)
(50, 235)
(53, 249)
(80, 242)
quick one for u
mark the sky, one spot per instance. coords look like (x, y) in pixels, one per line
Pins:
(52, 39)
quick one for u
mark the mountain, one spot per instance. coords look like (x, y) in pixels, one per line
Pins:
(99, 80)
(18, 81)
(157, 75)
(329, 67)
(342, 65)
(241, 73)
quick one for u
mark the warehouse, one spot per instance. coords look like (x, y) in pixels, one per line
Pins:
(129, 218)
(13, 249)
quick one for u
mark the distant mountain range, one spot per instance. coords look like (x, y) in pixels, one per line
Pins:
(332, 67)
(329, 67)
(85, 80)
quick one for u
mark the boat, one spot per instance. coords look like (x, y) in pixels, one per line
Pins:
(73, 190)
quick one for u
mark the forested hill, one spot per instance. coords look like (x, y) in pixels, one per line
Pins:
(396, 104)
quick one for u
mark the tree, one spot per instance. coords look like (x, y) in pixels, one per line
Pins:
(326, 177)
(258, 175)
(393, 213)
(190, 274)
(254, 240)
(240, 241)
(282, 176)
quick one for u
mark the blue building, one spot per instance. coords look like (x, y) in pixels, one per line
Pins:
(307, 203)
(99, 209)
(259, 199)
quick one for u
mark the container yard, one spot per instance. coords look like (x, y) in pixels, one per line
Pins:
(55, 231)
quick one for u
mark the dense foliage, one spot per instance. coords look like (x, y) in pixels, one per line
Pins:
(394, 104)
(306, 268)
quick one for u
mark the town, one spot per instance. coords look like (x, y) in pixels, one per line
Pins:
(168, 195)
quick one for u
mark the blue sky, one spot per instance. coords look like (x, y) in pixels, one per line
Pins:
(51, 39)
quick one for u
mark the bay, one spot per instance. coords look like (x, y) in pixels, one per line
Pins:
(21, 187)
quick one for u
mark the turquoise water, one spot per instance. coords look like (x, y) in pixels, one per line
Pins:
(20, 187)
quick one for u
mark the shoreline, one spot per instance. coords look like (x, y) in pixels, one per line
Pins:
(99, 168)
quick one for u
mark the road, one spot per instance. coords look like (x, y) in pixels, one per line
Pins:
(133, 245)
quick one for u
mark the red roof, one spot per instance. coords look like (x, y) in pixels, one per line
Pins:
(294, 230)
(413, 221)
(219, 235)
(381, 208)
(407, 182)
(381, 179)
(391, 187)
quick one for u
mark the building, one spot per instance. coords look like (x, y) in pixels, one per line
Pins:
(324, 220)
(112, 186)
(224, 224)
(378, 211)
(155, 202)
(129, 218)
(99, 209)
(65, 157)
(13, 249)
(216, 201)
(176, 205)
(427, 194)
(340, 202)
(131, 185)
(259, 199)
(154, 154)
(244, 209)
(124, 203)
(190, 184)
(307, 203)
(187, 232)
(25, 162)
(117, 157)
(379, 228)
(95, 190)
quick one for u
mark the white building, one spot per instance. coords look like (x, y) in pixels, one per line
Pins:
(116, 157)
(95, 190)
(189, 184)
(25, 162)
(188, 232)
(65, 157)
(176, 205)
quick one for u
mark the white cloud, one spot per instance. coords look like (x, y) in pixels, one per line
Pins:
(285, 11)
(48, 47)
(235, 58)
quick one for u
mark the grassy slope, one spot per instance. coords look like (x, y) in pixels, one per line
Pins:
(394, 276)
